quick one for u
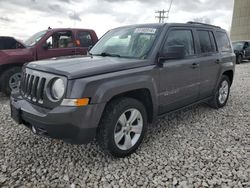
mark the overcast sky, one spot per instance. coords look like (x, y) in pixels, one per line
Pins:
(22, 18)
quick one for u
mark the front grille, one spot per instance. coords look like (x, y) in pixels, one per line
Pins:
(32, 87)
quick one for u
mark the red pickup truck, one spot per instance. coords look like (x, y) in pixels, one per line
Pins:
(43, 45)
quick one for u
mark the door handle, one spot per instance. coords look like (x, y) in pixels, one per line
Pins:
(195, 65)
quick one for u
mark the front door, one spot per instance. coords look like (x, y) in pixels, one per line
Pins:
(59, 44)
(179, 79)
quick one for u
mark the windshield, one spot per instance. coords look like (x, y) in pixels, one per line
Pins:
(35, 38)
(130, 42)
(238, 45)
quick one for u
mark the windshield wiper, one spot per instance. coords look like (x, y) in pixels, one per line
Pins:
(105, 54)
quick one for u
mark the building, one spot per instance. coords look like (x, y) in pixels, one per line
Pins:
(241, 20)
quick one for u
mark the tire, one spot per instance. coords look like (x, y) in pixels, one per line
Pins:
(222, 93)
(239, 59)
(9, 80)
(115, 122)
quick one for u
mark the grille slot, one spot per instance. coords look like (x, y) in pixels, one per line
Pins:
(32, 87)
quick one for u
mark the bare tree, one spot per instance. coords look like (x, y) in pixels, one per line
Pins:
(203, 20)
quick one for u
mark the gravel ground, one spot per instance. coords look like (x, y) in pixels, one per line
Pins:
(197, 147)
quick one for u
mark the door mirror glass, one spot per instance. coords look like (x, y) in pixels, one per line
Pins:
(174, 52)
(46, 46)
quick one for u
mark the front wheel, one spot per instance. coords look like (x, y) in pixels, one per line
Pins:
(222, 93)
(122, 127)
(10, 80)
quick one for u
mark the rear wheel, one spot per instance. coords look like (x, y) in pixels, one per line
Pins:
(239, 59)
(122, 127)
(222, 93)
(10, 80)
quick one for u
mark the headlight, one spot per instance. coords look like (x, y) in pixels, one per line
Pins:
(58, 89)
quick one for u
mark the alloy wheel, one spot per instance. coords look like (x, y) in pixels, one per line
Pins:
(128, 129)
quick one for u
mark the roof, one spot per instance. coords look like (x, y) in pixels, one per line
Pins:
(59, 29)
(189, 24)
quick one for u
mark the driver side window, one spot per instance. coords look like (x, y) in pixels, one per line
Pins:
(62, 39)
(180, 38)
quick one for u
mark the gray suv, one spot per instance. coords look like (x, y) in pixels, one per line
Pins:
(133, 75)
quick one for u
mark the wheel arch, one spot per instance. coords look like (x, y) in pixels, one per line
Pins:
(230, 75)
(143, 95)
(5, 67)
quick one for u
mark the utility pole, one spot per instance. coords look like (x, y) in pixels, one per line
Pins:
(162, 13)
(161, 16)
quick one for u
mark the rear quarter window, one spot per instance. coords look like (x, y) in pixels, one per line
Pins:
(223, 42)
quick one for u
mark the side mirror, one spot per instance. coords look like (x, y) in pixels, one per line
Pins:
(174, 52)
(45, 46)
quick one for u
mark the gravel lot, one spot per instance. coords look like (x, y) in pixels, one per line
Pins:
(198, 147)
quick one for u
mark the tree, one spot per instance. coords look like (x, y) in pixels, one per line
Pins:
(205, 20)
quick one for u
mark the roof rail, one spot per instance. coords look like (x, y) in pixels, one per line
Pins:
(199, 23)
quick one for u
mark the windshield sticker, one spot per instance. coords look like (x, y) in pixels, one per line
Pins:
(145, 30)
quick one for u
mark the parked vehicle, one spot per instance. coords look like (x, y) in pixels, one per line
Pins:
(241, 50)
(135, 74)
(43, 45)
(7, 43)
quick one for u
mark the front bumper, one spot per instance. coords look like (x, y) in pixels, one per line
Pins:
(72, 124)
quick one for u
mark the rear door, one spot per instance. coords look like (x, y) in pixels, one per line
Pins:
(60, 43)
(209, 59)
(179, 79)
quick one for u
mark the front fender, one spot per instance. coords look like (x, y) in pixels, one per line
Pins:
(102, 88)
(108, 90)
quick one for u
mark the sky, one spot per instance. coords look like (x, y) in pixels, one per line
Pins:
(23, 18)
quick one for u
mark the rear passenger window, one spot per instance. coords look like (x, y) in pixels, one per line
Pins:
(85, 39)
(207, 43)
(223, 42)
(181, 37)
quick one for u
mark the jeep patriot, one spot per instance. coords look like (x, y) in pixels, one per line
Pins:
(133, 75)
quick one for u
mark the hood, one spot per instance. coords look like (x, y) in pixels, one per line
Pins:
(78, 67)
